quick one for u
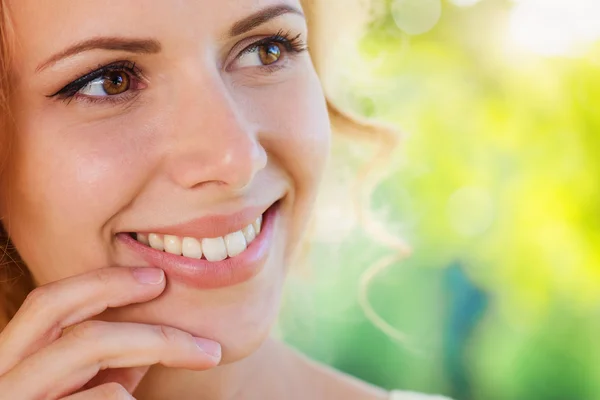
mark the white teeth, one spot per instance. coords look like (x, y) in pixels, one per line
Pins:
(235, 243)
(156, 242)
(191, 248)
(258, 224)
(214, 249)
(143, 238)
(249, 233)
(172, 244)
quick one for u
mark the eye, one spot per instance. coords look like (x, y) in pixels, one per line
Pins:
(261, 55)
(270, 51)
(119, 81)
(111, 84)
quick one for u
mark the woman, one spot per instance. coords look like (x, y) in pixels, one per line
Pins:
(161, 161)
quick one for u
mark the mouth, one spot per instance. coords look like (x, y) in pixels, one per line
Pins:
(210, 249)
(211, 252)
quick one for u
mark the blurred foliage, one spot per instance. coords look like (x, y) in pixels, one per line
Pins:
(496, 190)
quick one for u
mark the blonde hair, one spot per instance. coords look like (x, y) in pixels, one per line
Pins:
(355, 14)
(16, 281)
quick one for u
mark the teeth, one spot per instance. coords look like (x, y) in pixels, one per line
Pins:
(191, 248)
(235, 243)
(249, 233)
(258, 224)
(173, 245)
(142, 238)
(214, 249)
(156, 242)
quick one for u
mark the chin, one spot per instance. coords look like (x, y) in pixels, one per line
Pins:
(239, 317)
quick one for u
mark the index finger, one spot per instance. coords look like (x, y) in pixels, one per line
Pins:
(51, 308)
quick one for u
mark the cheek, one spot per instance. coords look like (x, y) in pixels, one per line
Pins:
(66, 183)
(84, 169)
(295, 129)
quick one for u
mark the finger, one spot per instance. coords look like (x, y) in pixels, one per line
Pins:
(51, 308)
(129, 378)
(108, 391)
(92, 346)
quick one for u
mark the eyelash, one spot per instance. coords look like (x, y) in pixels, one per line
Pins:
(291, 44)
(70, 91)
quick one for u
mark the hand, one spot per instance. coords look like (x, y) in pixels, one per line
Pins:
(39, 360)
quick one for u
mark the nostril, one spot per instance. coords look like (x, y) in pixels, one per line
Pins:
(231, 161)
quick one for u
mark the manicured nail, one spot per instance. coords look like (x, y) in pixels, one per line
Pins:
(209, 347)
(149, 276)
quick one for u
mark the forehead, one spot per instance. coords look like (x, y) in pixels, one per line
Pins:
(44, 27)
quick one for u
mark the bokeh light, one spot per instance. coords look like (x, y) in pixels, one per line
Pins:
(471, 211)
(416, 17)
(555, 27)
(464, 3)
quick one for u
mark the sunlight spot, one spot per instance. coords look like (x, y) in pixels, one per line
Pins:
(471, 211)
(416, 16)
(555, 27)
(464, 3)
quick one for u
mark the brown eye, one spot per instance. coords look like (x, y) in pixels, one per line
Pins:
(269, 53)
(116, 82)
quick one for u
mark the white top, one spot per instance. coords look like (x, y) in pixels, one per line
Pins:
(396, 395)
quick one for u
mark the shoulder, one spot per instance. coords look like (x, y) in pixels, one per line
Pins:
(317, 381)
(337, 385)
(397, 395)
(333, 384)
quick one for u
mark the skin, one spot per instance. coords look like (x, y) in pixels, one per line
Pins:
(204, 134)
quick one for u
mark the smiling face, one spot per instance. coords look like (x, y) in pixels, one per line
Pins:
(187, 118)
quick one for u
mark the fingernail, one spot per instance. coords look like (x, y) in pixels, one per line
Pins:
(209, 347)
(149, 276)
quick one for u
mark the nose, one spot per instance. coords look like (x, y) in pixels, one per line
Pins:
(211, 141)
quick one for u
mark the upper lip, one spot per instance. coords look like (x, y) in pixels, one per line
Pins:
(212, 226)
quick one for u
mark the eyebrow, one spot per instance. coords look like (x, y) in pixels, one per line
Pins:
(140, 46)
(152, 46)
(261, 17)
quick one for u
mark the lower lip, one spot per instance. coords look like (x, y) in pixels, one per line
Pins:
(203, 274)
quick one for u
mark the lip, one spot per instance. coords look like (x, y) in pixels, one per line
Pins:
(203, 274)
(212, 226)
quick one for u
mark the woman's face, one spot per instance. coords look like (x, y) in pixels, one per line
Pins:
(186, 118)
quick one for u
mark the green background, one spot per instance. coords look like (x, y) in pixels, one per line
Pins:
(495, 188)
